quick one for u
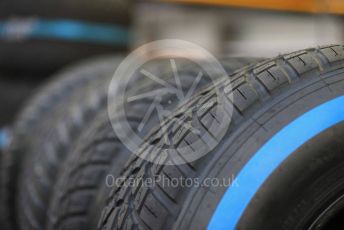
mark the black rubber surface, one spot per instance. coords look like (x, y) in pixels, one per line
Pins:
(13, 93)
(267, 96)
(313, 177)
(81, 191)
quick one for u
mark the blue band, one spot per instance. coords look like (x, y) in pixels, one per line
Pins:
(70, 30)
(269, 157)
(3, 139)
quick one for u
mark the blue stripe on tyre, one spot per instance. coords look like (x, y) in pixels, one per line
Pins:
(70, 30)
(266, 160)
(3, 139)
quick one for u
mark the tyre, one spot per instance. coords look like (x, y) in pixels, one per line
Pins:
(282, 154)
(58, 33)
(35, 121)
(81, 191)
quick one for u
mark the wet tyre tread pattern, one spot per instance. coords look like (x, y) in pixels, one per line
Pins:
(142, 207)
(41, 169)
(53, 92)
(39, 117)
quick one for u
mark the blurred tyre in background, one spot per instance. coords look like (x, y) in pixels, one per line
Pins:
(43, 36)
(47, 125)
(39, 37)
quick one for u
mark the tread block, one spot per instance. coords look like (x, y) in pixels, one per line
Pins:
(244, 96)
(272, 78)
(303, 63)
(334, 53)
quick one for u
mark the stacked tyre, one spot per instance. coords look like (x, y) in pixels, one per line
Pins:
(51, 119)
(260, 148)
(283, 151)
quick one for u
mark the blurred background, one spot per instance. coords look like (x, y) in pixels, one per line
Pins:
(39, 37)
(242, 27)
